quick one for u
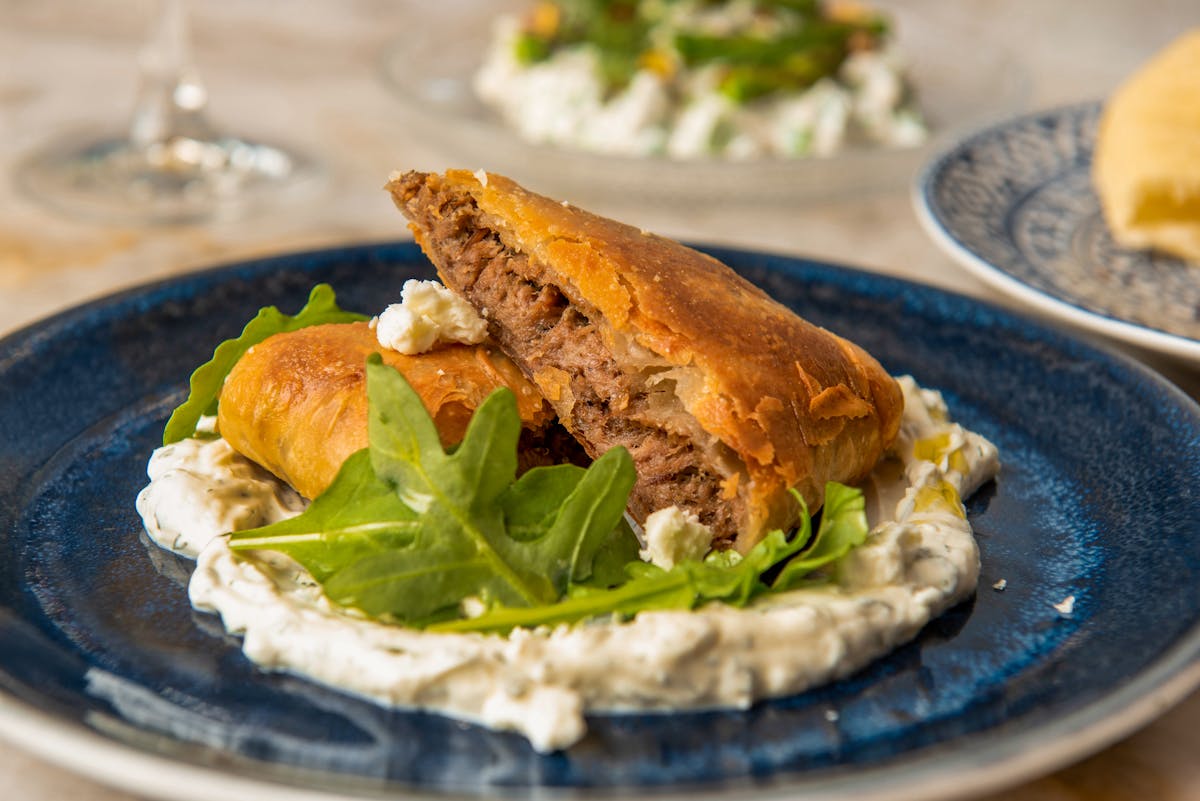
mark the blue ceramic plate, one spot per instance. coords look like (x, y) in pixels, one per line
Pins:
(1014, 204)
(108, 670)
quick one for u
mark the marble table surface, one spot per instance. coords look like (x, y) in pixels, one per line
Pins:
(308, 72)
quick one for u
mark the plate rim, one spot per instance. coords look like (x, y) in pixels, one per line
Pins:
(1048, 304)
(998, 760)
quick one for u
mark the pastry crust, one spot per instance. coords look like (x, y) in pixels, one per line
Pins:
(1146, 166)
(296, 403)
(768, 400)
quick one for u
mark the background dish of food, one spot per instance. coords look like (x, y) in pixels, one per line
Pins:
(958, 83)
(1014, 204)
(108, 670)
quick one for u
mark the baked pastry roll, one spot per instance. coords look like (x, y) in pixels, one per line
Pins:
(724, 397)
(1146, 166)
(296, 403)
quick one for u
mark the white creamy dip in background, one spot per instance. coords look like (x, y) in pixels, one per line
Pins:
(565, 101)
(919, 560)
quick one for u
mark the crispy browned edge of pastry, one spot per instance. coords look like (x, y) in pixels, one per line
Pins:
(296, 403)
(798, 404)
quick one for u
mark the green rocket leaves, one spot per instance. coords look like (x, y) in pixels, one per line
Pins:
(409, 531)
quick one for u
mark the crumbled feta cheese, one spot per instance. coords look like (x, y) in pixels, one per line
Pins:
(401, 330)
(1066, 606)
(1000, 585)
(674, 536)
(428, 313)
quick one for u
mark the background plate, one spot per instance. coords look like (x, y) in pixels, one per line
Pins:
(109, 671)
(961, 80)
(1014, 204)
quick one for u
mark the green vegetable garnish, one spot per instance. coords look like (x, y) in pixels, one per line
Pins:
(206, 381)
(843, 527)
(800, 42)
(530, 49)
(456, 525)
(721, 576)
(357, 517)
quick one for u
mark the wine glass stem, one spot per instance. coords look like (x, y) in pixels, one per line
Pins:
(171, 99)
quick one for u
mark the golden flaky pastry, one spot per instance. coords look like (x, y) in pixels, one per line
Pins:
(724, 397)
(296, 403)
(1147, 161)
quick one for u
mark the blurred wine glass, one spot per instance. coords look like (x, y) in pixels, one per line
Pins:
(171, 164)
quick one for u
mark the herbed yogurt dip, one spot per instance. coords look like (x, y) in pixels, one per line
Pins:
(919, 560)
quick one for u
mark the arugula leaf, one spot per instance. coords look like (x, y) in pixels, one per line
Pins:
(611, 559)
(453, 525)
(685, 586)
(843, 526)
(206, 381)
(575, 525)
(357, 517)
(672, 589)
(455, 493)
(534, 505)
(721, 576)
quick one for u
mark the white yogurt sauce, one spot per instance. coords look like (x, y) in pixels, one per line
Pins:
(919, 560)
(201, 488)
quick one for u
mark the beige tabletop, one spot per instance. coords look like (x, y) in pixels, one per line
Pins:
(308, 72)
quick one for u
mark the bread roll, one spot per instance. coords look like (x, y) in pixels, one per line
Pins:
(724, 397)
(296, 403)
(1146, 167)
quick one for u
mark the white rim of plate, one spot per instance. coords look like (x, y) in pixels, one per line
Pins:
(1047, 304)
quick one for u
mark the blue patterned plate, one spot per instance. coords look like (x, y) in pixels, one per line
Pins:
(1014, 204)
(106, 669)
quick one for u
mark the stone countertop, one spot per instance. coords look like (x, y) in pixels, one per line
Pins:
(308, 72)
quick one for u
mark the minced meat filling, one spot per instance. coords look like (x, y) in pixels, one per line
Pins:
(536, 324)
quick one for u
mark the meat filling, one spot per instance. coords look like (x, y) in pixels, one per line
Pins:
(541, 329)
